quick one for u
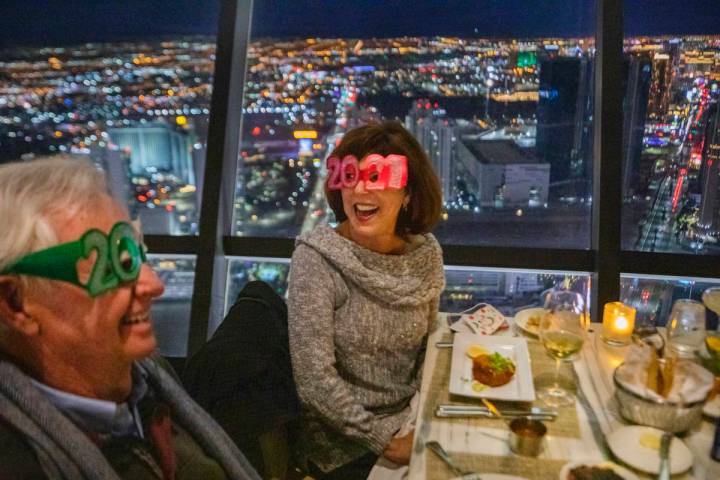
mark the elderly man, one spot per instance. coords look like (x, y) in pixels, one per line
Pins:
(81, 395)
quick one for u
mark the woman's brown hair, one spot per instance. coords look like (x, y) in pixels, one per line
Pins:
(423, 187)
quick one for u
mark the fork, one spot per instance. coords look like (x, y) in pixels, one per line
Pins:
(445, 457)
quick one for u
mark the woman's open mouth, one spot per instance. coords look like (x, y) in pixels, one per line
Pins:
(365, 212)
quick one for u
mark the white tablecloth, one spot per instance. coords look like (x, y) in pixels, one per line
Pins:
(596, 413)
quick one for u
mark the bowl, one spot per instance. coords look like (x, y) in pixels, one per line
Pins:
(662, 414)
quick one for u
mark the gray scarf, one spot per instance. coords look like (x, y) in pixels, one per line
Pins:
(66, 453)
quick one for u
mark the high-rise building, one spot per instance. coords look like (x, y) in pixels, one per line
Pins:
(635, 109)
(156, 146)
(660, 84)
(501, 174)
(437, 135)
(564, 115)
(709, 174)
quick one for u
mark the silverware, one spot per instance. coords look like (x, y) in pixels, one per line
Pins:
(665, 456)
(445, 457)
(444, 344)
(475, 413)
(551, 412)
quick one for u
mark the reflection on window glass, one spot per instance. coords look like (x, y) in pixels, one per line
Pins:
(138, 109)
(171, 312)
(506, 120)
(653, 297)
(671, 132)
(273, 271)
(507, 290)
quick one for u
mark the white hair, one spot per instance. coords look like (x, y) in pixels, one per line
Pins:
(32, 192)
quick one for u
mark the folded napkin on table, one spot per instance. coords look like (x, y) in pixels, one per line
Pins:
(486, 320)
(674, 380)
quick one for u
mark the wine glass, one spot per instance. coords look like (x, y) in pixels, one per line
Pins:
(562, 332)
(686, 327)
(711, 299)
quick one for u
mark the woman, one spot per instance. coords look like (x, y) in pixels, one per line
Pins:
(362, 299)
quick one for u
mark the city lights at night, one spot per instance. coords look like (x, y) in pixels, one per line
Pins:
(503, 104)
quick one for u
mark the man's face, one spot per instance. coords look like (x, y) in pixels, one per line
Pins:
(112, 329)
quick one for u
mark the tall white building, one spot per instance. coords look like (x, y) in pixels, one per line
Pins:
(437, 135)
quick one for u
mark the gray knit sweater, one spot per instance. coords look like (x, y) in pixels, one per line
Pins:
(358, 324)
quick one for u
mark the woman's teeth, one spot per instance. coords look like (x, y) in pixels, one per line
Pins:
(365, 211)
(137, 318)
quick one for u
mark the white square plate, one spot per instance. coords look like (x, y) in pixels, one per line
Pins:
(520, 388)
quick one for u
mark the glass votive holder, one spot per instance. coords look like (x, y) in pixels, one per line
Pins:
(686, 327)
(618, 323)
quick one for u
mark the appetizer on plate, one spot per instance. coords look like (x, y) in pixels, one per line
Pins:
(587, 472)
(595, 471)
(491, 369)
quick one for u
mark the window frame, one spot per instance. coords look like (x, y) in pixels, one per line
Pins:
(605, 259)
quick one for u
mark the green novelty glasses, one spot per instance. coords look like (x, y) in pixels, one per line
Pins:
(119, 259)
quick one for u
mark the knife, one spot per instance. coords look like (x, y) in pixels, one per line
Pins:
(478, 413)
(551, 412)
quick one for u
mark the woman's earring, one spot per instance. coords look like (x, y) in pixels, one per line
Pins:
(405, 204)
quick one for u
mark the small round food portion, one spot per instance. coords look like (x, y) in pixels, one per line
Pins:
(493, 370)
(585, 472)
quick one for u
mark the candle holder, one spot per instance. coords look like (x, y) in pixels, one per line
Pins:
(618, 323)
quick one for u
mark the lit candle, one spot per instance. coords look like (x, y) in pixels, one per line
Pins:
(618, 323)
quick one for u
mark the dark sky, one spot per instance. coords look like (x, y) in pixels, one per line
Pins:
(49, 22)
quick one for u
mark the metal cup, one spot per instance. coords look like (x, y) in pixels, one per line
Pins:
(526, 436)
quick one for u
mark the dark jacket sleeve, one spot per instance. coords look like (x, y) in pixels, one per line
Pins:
(17, 458)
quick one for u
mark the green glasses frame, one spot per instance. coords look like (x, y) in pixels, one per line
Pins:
(120, 256)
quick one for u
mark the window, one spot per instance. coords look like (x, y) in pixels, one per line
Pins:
(671, 131)
(500, 95)
(653, 296)
(508, 290)
(273, 271)
(171, 312)
(505, 289)
(135, 101)
(502, 103)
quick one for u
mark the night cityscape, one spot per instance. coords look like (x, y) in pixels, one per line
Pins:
(507, 122)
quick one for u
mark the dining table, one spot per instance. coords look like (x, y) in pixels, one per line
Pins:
(579, 434)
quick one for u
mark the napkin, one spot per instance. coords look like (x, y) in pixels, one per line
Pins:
(675, 381)
(486, 320)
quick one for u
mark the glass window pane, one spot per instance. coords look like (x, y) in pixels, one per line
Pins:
(171, 312)
(506, 289)
(653, 296)
(501, 101)
(671, 132)
(273, 271)
(135, 101)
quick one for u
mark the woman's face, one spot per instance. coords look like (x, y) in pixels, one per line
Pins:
(372, 214)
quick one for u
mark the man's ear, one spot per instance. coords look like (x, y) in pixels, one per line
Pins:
(13, 314)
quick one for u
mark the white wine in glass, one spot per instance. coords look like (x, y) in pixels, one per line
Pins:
(562, 332)
(562, 345)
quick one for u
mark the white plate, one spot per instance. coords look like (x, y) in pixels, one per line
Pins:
(625, 445)
(712, 408)
(522, 317)
(519, 388)
(623, 472)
